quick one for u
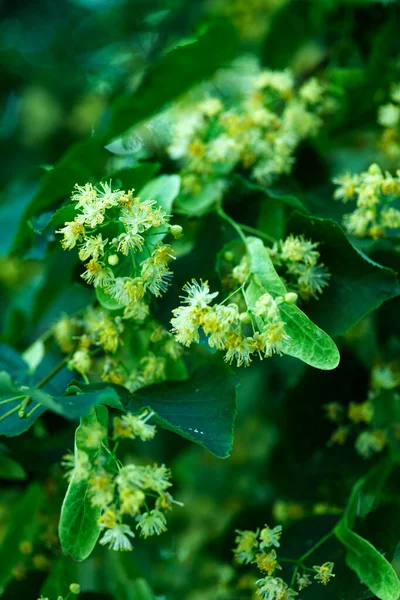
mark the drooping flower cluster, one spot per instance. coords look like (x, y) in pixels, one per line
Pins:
(297, 260)
(122, 491)
(358, 418)
(119, 235)
(226, 326)
(258, 547)
(376, 194)
(95, 342)
(255, 124)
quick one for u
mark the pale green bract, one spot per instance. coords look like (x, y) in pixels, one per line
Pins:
(307, 341)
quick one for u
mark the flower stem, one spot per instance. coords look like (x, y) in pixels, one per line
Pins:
(257, 232)
(21, 407)
(10, 412)
(52, 373)
(232, 223)
(14, 399)
(316, 545)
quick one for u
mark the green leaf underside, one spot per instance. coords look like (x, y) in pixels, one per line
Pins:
(68, 406)
(22, 526)
(13, 425)
(163, 189)
(201, 409)
(369, 564)
(78, 528)
(307, 341)
(357, 285)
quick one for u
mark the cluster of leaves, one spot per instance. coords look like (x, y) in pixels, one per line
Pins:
(230, 127)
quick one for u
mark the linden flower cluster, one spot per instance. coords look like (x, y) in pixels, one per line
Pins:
(225, 325)
(124, 491)
(370, 440)
(127, 265)
(98, 330)
(258, 547)
(389, 119)
(296, 259)
(259, 133)
(376, 195)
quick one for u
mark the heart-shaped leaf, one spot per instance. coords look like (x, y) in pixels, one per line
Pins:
(201, 409)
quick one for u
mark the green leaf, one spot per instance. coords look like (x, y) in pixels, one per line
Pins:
(357, 285)
(201, 409)
(274, 193)
(135, 177)
(307, 341)
(78, 528)
(11, 469)
(69, 406)
(370, 565)
(83, 162)
(78, 405)
(176, 71)
(164, 189)
(34, 355)
(22, 526)
(10, 423)
(62, 215)
(123, 583)
(63, 573)
(199, 204)
(12, 362)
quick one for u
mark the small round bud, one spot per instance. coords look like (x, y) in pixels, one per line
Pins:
(245, 318)
(75, 588)
(176, 231)
(374, 169)
(290, 298)
(26, 547)
(229, 256)
(113, 260)
(60, 598)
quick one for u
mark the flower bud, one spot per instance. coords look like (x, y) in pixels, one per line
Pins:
(113, 260)
(229, 256)
(176, 231)
(245, 318)
(290, 298)
(75, 588)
